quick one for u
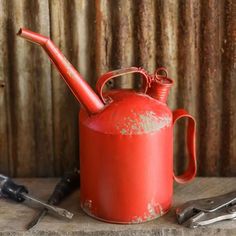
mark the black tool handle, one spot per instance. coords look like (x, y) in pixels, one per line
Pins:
(69, 183)
(12, 190)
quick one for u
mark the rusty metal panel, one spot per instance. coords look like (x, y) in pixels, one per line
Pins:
(195, 40)
(187, 70)
(28, 108)
(4, 141)
(228, 129)
(65, 107)
(210, 88)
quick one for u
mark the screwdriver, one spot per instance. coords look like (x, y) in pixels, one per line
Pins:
(19, 193)
(68, 184)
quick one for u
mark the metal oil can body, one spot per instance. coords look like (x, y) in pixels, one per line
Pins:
(126, 160)
(126, 142)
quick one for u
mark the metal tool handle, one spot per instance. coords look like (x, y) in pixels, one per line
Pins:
(11, 190)
(206, 218)
(57, 210)
(68, 184)
(210, 204)
(190, 173)
(116, 73)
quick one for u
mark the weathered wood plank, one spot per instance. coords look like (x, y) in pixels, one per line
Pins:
(4, 124)
(65, 107)
(168, 24)
(20, 92)
(145, 35)
(122, 40)
(193, 39)
(38, 21)
(14, 224)
(210, 98)
(167, 55)
(188, 72)
(228, 163)
(28, 78)
(103, 37)
(4, 147)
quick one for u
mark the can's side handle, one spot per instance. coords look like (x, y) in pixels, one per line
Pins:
(191, 171)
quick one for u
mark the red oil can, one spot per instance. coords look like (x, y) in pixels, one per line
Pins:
(126, 143)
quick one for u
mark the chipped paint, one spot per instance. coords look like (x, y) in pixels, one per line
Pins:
(154, 210)
(68, 65)
(87, 206)
(151, 209)
(123, 131)
(150, 122)
(143, 123)
(137, 220)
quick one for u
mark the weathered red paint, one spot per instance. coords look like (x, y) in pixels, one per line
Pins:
(126, 145)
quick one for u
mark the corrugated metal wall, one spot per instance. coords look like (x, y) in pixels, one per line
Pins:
(194, 39)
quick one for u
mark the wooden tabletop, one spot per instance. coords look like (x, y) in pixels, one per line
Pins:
(14, 217)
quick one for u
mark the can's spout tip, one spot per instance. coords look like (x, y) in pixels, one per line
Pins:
(82, 91)
(19, 32)
(32, 36)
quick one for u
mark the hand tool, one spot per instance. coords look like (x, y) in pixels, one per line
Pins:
(207, 210)
(19, 193)
(69, 183)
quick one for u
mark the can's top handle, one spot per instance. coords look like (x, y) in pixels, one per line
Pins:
(116, 73)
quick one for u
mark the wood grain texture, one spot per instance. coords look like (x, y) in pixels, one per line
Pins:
(81, 224)
(194, 40)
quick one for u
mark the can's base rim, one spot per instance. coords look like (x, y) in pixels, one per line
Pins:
(121, 222)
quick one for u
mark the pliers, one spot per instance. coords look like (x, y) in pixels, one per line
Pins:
(207, 210)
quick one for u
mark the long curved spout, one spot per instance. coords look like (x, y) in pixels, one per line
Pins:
(82, 91)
